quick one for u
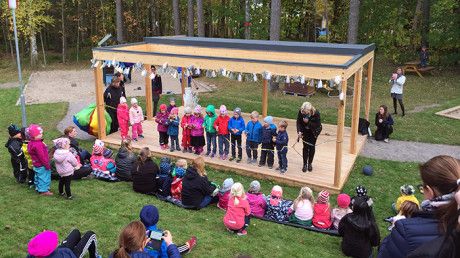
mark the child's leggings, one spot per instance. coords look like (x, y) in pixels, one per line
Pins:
(64, 181)
(163, 138)
(186, 140)
(137, 130)
(42, 179)
(81, 245)
(124, 128)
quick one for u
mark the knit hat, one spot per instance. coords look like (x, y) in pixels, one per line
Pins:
(223, 109)
(13, 130)
(276, 195)
(323, 197)
(34, 130)
(175, 111)
(149, 215)
(268, 120)
(254, 187)
(180, 171)
(197, 109)
(59, 143)
(187, 110)
(237, 111)
(165, 166)
(123, 100)
(133, 101)
(227, 185)
(163, 107)
(361, 190)
(107, 153)
(172, 99)
(43, 244)
(343, 200)
(407, 189)
(98, 147)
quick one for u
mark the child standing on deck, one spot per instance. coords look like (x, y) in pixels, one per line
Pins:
(281, 142)
(197, 132)
(123, 118)
(221, 125)
(173, 129)
(236, 128)
(185, 123)
(162, 119)
(253, 137)
(40, 160)
(267, 154)
(136, 117)
(208, 125)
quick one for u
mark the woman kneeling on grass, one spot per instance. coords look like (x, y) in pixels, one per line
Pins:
(197, 191)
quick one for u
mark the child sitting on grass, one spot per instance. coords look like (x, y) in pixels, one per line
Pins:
(102, 164)
(178, 174)
(236, 218)
(343, 208)
(303, 207)
(256, 199)
(40, 160)
(322, 211)
(277, 208)
(224, 194)
(407, 194)
(66, 164)
(165, 179)
(18, 158)
(123, 118)
(173, 129)
(407, 209)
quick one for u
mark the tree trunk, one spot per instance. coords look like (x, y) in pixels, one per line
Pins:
(275, 16)
(78, 32)
(43, 49)
(119, 23)
(417, 15)
(425, 22)
(33, 49)
(63, 31)
(353, 20)
(190, 19)
(247, 20)
(5, 33)
(176, 17)
(200, 17)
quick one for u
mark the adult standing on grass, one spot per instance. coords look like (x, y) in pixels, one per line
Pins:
(157, 88)
(440, 176)
(112, 96)
(308, 129)
(384, 123)
(397, 81)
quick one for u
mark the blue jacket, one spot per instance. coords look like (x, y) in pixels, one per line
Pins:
(170, 251)
(408, 234)
(173, 127)
(282, 140)
(268, 133)
(236, 124)
(60, 252)
(254, 132)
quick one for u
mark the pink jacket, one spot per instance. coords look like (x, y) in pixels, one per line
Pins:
(162, 120)
(322, 215)
(122, 113)
(65, 162)
(38, 153)
(136, 115)
(197, 126)
(99, 162)
(223, 200)
(257, 203)
(234, 218)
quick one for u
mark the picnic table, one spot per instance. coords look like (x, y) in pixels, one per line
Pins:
(413, 66)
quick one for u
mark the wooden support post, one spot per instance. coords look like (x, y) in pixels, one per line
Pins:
(183, 85)
(265, 98)
(339, 141)
(356, 110)
(370, 69)
(148, 94)
(100, 108)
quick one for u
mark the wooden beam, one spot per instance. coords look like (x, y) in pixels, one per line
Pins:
(356, 110)
(183, 85)
(265, 98)
(148, 94)
(370, 72)
(358, 64)
(339, 141)
(100, 107)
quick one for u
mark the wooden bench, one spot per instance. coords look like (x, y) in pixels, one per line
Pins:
(414, 67)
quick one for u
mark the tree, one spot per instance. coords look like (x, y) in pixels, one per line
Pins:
(353, 20)
(176, 17)
(119, 13)
(190, 19)
(247, 20)
(200, 17)
(275, 17)
(425, 21)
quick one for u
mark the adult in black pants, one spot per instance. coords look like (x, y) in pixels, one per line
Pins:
(157, 89)
(145, 174)
(384, 123)
(308, 129)
(112, 96)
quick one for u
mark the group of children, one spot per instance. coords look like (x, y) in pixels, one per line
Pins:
(133, 116)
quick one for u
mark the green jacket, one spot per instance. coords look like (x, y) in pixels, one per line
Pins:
(209, 120)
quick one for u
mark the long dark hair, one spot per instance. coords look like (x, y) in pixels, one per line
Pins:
(143, 155)
(131, 239)
(362, 217)
(385, 111)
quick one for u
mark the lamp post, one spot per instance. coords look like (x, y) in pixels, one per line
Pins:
(13, 5)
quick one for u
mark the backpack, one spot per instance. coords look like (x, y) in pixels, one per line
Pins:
(363, 126)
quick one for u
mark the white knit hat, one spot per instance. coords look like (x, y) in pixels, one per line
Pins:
(122, 100)
(133, 101)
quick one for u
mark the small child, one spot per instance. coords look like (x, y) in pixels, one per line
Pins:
(277, 208)
(18, 158)
(136, 117)
(186, 123)
(253, 133)
(361, 191)
(123, 118)
(208, 125)
(322, 211)
(162, 119)
(224, 194)
(407, 209)
(256, 199)
(165, 179)
(40, 160)
(172, 104)
(178, 173)
(281, 142)
(343, 203)
(407, 194)
(236, 218)
(221, 125)
(236, 128)
(66, 164)
(303, 207)
(197, 131)
(101, 162)
(267, 154)
(173, 129)
(424, 56)
(30, 169)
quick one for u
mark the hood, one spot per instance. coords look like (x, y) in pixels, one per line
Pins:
(361, 217)
(60, 155)
(123, 153)
(211, 109)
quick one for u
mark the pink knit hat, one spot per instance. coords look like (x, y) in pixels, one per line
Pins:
(163, 107)
(323, 197)
(197, 109)
(276, 195)
(174, 111)
(34, 130)
(343, 200)
(223, 109)
(98, 147)
(43, 244)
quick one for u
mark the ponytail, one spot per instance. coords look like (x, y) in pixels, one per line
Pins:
(121, 253)
(131, 239)
(237, 191)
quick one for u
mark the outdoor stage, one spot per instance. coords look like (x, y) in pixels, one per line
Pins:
(322, 176)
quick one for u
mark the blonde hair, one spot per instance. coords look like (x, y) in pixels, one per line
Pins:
(283, 123)
(181, 163)
(308, 108)
(199, 165)
(237, 190)
(305, 194)
(254, 114)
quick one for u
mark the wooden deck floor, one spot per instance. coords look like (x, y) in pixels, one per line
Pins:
(322, 176)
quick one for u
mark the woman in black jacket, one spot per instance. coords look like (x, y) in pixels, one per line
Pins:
(196, 188)
(308, 129)
(145, 174)
(111, 99)
(125, 160)
(384, 123)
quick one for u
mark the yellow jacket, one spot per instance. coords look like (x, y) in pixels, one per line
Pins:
(27, 155)
(404, 198)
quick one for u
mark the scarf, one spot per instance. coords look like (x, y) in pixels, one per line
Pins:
(435, 203)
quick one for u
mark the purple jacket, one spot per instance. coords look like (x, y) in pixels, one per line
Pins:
(258, 203)
(197, 126)
(39, 154)
(162, 120)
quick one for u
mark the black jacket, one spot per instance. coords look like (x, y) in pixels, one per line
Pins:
(145, 177)
(312, 129)
(125, 161)
(357, 241)
(157, 86)
(112, 96)
(14, 146)
(195, 188)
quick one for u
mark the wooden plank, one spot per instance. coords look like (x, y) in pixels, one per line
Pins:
(358, 64)
(183, 85)
(339, 141)
(100, 108)
(148, 94)
(356, 110)
(265, 98)
(370, 73)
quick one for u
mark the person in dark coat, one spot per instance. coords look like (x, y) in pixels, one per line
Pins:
(145, 174)
(125, 161)
(384, 123)
(112, 96)
(18, 158)
(196, 188)
(71, 133)
(308, 129)
(359, 230)
(164, 178)
(157, 88)
(440, 177)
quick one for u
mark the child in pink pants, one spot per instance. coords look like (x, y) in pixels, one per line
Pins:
(136, 116)
(123, 118)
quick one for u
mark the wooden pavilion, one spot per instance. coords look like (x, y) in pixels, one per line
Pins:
(312, 60)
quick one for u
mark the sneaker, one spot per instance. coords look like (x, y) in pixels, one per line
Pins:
(282, 171)
(254, 160)
(277, 168)
(171, 150)
(238, 160)
(249, 161)
(213, 155)
(387, 140)
(310, 167)
(270, 167)
(61, 194)
(221, 157)
(242, 232)
(231, 158)
(141, 136)
(191, 243)
(178, 148)
(260, 165)
(70, 197)
(225, 156)
(46, 193)
(135, 139)
(190, 150)
(389, 219)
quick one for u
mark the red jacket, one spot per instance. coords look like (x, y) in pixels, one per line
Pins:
(223, 200)
(221, 125)
(186, 120)
(122, 113)
(176, 188)
(322, 215)
(234, 218)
